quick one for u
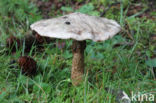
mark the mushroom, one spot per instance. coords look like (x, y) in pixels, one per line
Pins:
(79, 27)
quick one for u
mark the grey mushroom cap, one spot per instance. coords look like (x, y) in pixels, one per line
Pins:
(77, 26)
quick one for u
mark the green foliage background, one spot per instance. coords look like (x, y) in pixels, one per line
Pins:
(127, 67)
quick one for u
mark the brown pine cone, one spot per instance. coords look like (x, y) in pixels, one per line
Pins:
(11, 43)
(28, 65)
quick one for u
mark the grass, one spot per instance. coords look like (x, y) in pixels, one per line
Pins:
(118, 67)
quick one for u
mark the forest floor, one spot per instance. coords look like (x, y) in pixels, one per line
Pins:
(126, 62)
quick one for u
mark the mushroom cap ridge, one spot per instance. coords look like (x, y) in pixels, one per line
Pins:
(77, 26)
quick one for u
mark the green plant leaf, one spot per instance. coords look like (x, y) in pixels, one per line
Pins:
(67, 9)
(46, 87)
(23, 80)
(67, 55)
(86, 8)
(151, 62)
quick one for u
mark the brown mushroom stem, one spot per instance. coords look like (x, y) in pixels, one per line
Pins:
(77, 72)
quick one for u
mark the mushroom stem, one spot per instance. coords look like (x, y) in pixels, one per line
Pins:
(77, 72)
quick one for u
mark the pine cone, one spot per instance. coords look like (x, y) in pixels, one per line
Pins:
(28, 65)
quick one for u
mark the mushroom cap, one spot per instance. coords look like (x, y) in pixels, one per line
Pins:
(77, 26)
